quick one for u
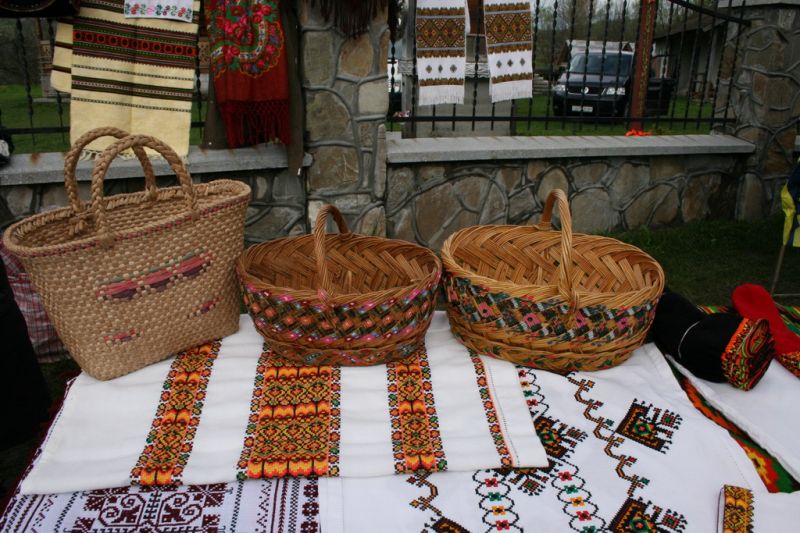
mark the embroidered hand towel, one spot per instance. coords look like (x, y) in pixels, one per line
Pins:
(226, 410)
(134, 74)
(181, 10)
(509, 47)
(627, 450)
(742, 510)
(768, 413)
(249, 69)
(441, 29)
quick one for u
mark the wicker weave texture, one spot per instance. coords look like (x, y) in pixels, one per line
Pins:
(549, 299)
(130, 279)
(340, 298)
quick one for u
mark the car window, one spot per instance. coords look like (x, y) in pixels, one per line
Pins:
(593, 63)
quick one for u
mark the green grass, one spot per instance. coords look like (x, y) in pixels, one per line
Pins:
(680, 108)
(15, 113)
(706, 260)
(683, 107)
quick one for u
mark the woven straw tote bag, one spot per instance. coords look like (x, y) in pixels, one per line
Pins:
(132, 278)
(549, 299)
(342, 298)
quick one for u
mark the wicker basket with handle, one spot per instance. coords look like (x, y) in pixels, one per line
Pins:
(549, 299)
(132, 278)
(346, 299)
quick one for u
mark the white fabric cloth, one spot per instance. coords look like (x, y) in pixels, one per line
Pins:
(181, 10)
(767, 412)
(102, 427)
(600, 476)
(747, 510)
(441, 29)
(509, 48)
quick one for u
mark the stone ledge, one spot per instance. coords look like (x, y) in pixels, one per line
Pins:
(24, 169)
(430, 150)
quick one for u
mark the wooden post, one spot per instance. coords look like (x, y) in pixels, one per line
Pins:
(641, 64)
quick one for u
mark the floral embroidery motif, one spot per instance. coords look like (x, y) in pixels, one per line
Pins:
(649, 425)
(639, 425)
(637, 515)
(156, 279)
(251, 38)
(169, 442)
(416, 441)
(165, 9)
(293, 428)
(738, 510)
(491, 412)
(176, 508)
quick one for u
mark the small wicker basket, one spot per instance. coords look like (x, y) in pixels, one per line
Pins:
(548, 299)
(342, 298)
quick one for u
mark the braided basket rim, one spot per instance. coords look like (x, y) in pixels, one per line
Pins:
(259, 284)
(231, 192)
(453, 268)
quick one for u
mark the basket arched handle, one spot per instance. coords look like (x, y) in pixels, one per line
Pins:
(98, 205)
(565, 287)
(319, 246)
(71, 162)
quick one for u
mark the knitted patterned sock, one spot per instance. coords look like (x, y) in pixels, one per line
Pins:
(753, 301)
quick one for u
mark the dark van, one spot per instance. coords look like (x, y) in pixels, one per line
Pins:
(593, 85)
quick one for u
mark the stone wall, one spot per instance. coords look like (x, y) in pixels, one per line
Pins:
(429, 201)
(344, 81)
(764, 92)
(277, 208)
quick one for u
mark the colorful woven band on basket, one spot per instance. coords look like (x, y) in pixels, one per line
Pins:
(345, 333)
(594, 325)
(748, 354)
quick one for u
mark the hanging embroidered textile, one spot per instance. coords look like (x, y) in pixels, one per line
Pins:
(441, 27)
(509, 47)
(133, 74)
(227, 411)
(250, 71)
(182, 10)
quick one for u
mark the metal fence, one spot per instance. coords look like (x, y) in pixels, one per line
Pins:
(586, 56)
(34, 114)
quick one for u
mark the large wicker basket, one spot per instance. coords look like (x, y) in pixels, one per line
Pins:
(130, 279)
(340, 298)
(549, 299)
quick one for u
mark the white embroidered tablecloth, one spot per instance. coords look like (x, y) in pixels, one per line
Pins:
(227, 411)
(627, 451)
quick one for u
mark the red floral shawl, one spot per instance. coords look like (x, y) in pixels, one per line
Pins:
(250, 71)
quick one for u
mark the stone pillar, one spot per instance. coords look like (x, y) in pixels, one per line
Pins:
(346, 99)
(764, 89)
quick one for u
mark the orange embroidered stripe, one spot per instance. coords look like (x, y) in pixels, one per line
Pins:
(416, 441)
(293, 429)
(169, 442)
(491, 412)
(738, 510)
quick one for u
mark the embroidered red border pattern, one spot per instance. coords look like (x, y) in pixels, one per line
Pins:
(169, 442)
(416, 441)
(491, 412)
(294, 422)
